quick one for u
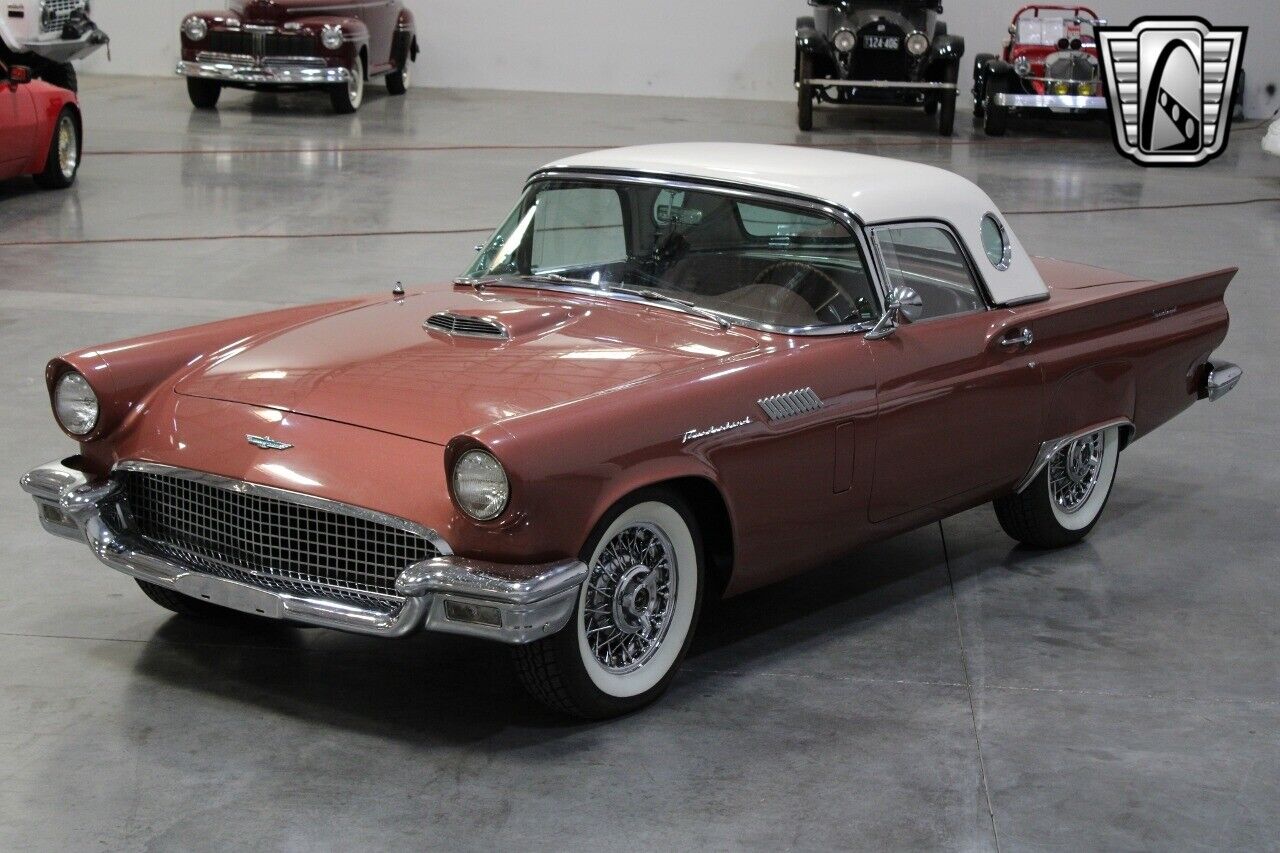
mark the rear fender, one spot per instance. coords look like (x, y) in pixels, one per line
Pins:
(49, 102)
(1091, 395)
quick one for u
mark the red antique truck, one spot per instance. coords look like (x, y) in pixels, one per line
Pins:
(674, 372)
(333, 45)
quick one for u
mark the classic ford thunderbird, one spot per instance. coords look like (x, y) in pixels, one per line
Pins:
(334, 45)
(674, 372)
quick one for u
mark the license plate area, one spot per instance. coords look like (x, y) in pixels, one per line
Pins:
(236, 596)
(881, 42)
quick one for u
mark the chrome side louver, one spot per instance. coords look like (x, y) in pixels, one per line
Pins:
(789, 405)
(459, 324)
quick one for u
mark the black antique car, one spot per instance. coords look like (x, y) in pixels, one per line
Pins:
(877, 52)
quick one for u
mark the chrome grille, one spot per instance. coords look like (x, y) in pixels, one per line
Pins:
(55, 14)
(270, 541)
(460, 324)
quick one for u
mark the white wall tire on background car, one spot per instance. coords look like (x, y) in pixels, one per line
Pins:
(1066, 499)
(635, 616)
(347, 97)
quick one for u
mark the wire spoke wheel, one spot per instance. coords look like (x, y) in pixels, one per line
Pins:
(68, 147)
(1074, 470)
(630, 597)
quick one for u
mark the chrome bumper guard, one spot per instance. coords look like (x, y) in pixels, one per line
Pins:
(1052, 102)
(64, 50)
(1219, 379)
(448, 593)
(266, 74)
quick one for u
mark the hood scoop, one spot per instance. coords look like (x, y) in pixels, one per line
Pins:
(464, 325)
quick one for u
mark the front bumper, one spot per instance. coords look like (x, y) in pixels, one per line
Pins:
(1050, 102)
(920, 85)
(64, 50)
(246, 72)
(447, 593)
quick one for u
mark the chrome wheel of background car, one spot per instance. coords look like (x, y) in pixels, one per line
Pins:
(637, 607)
(1073, 472)
(68, 147)
(630, 595)
(355, 86)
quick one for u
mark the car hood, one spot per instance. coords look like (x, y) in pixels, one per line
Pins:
(380, 366)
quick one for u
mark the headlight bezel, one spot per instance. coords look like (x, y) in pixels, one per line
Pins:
(842, 33)
(195, 28)
(331, 37)
(1022, 66)
(487, 472)
(86, 394)
(920, 40)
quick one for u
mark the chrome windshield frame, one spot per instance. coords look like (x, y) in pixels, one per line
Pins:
(736, 191)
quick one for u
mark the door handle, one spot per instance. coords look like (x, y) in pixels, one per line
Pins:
(1021, 338)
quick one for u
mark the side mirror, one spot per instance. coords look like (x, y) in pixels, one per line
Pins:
(905, 306)
(19, 74)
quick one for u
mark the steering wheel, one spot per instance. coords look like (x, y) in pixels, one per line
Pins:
(836, 307)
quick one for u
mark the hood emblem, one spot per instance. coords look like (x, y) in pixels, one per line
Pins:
(267, 443)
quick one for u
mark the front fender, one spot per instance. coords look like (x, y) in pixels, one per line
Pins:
(947, 49)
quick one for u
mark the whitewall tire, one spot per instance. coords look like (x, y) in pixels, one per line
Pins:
(635, 616)
(1066, 499)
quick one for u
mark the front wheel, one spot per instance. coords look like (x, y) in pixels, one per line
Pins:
(805, 93)
(347, 97)
(995, 116)
(204, 94)
(947, 101)
(62, 161)
(635, 615)
(1065, 500)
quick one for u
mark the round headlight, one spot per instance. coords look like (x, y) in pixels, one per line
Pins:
(195, 28)
(844, 41)
(917, 44)
(480, 485)
(331, 37)
(1022, 66)
(75, 404)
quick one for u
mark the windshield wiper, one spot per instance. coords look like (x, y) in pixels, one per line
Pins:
(684, 304)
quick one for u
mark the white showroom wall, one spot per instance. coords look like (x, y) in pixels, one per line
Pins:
(694, 48)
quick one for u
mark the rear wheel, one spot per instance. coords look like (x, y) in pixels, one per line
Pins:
(995, 119)
(62, 161)
(204, 94)
(805, 94)
(1066, 499)
(347, 97)
(635, 615)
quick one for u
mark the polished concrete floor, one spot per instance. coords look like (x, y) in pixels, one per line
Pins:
(943, 690)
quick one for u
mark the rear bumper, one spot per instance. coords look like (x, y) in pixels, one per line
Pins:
(1219, 378)
(1049, 102)
(271, 73)
(448, 593)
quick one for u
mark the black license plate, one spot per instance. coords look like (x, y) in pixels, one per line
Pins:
(881, 42)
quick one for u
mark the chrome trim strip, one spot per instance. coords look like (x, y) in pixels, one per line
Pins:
(263, 75)
(72, 507)
(1049, 448)
(1219, 379)
(740, 191)
(884, 84)
(1069, 102)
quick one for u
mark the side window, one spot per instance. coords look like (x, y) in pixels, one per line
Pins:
(928, 259)
(577, 227)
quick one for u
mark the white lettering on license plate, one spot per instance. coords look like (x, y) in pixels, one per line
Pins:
(881, 42)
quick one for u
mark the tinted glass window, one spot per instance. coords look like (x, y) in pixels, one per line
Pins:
(779, 265)
(928, 259)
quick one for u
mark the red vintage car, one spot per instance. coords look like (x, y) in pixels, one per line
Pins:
(1048, 65)
(333, 45)
(40, 129)
(675, 372)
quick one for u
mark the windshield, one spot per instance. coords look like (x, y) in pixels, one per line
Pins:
(762, 262)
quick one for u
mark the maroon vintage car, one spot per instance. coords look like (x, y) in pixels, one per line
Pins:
(1048, 65)
(674, 372)
(335, 45)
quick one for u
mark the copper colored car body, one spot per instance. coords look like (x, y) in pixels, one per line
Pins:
(789, 449)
